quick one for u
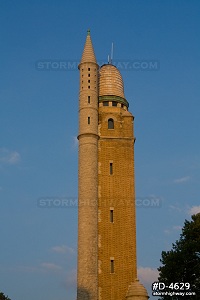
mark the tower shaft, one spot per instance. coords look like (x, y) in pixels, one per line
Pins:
(88, 177)
(116, 224)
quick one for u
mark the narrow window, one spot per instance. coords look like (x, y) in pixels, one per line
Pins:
(88, 86)
(110, 124)
(88, 120)
(112, 267)
(88, 69)
(114, 103)
(88, 99)
(88, 81)
(111, 216)
(89, 75)
(111, 168)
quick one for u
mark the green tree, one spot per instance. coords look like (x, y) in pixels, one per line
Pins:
(3, 297)
(182, 263)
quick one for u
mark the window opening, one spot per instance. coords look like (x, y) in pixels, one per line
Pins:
(112, 267)
(110, 124)
(111, 168)
(111, 215)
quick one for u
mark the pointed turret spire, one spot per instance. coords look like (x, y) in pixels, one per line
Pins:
(88, 52)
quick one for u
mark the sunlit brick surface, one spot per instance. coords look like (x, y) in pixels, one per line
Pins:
(116, 240)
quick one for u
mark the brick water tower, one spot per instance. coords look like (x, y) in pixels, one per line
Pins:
(107, 267)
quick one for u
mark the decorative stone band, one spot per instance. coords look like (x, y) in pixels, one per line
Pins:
(114, 98)
(87, 134)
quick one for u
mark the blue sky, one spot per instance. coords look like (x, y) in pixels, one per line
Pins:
(38, 129)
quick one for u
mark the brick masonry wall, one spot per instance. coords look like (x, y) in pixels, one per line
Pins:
(117, 240)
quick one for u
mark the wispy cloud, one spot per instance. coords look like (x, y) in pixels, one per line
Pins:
(194, 210)
(41, 268)
(147, 275)
(22, 269)
(177, 227)
(176, 208)
(51, 266)
(182, 179)
(9, 157)
(63, 249)
(183, 209)
(71, 279)
(172, 229)
(75, 142)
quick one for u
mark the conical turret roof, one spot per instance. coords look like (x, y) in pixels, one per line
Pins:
(88, 52)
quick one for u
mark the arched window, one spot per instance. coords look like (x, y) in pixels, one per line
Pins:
(110, 124)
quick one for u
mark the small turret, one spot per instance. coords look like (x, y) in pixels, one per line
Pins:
(136, 291)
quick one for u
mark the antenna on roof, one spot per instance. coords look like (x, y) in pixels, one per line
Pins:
(111, 58)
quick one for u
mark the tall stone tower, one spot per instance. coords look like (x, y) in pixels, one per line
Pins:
(107, 268)
(88, 176)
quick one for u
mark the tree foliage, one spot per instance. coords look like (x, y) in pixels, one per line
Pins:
(182, 263)
(3, 297)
